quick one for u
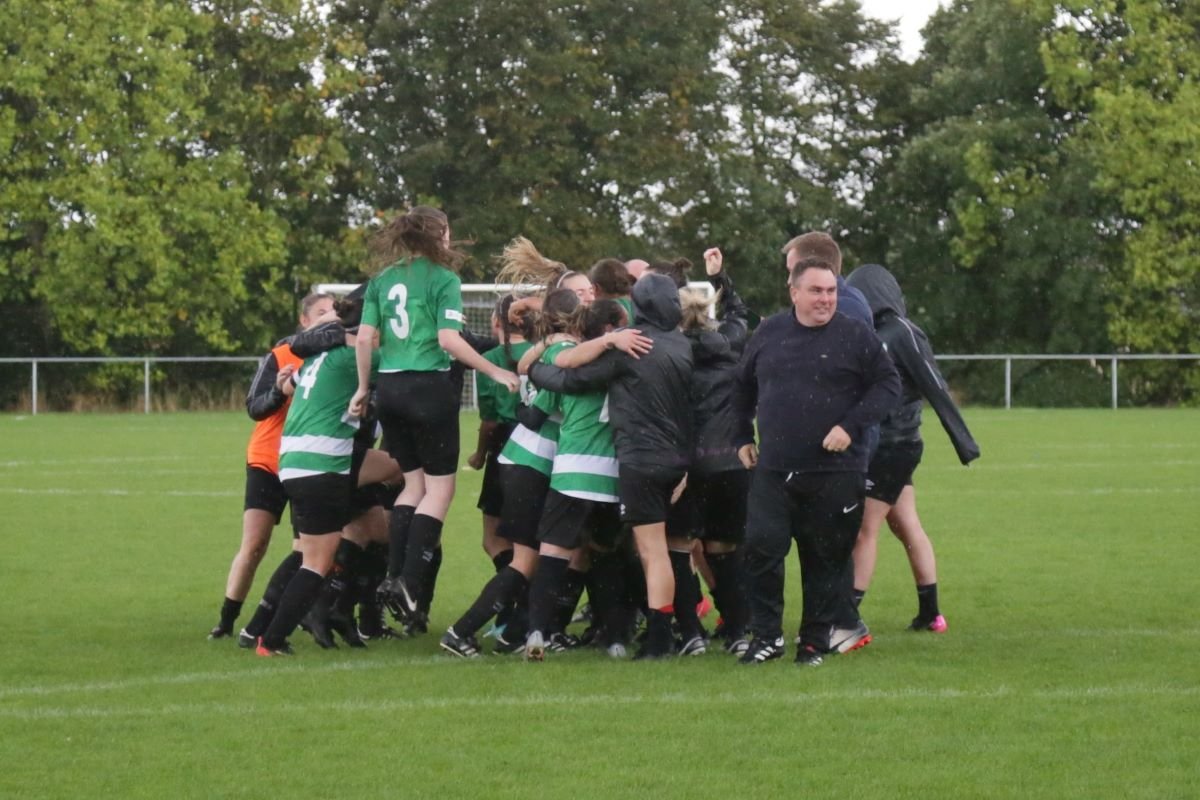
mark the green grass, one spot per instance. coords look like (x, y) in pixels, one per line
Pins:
(1066, 555)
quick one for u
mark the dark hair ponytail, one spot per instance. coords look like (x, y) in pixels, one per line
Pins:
(421, 231)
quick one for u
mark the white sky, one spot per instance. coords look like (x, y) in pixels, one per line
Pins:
(912, 15)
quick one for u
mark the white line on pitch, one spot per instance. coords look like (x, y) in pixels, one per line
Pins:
(120, 492)
(568, 700)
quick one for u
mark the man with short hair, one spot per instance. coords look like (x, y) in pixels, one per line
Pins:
(820, 245)
(816, 380)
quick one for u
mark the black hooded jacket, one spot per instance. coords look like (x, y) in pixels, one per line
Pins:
(919, 376)
(715, 354)
(648, 397)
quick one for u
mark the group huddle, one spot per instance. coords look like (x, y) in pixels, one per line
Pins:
(619, 411)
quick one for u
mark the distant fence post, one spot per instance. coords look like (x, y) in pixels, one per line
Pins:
(1008, 383)
(1114, 381)
(146, 386)
(33, 393)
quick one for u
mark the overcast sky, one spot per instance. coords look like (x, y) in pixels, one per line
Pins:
(912, 15)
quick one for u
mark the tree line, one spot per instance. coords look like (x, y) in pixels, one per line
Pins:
(175, 175)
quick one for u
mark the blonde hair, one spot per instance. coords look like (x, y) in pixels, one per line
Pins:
(521, 264)
(696, 310)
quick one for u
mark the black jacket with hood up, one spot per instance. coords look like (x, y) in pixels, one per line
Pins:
(919, 376)
(715, 354)
(648, 397)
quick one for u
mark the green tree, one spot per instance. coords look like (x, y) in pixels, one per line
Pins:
(980, 206)
(1130, 70)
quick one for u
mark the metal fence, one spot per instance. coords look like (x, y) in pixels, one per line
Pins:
(148, 361)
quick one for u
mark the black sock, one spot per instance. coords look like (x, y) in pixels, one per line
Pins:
(349, 564)
(859, 594)
(375, 565)
(274, 591)
(424, 538)
(567, 600)
(229, 613)
(685, 595)
(611, 614)
(730, 592)
(659, 641)
(297, 599)
(516, 625)
(927, 601)
(398, 528)
(425, 600)
(546, 585)
(499, 593)
(502, 559)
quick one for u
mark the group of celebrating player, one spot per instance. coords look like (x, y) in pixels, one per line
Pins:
(617, 448)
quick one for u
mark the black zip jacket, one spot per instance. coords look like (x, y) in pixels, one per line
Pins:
(800, 382)
(715, 355)
(263, 399)
(919, 376)
(648, 397)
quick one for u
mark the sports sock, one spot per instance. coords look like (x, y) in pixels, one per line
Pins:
(567, 600)
(229, 613)
(611, 614)
(730, 592)
(547, 583)
(496, 595)
(685, 595)
(274, 591)
(297, 599)
(927, 601)
(425, 600)
(398, 531)
(349, 563)
(659, 641)
(424, 538)
(375, 564)
(502, 559)
(859, 594)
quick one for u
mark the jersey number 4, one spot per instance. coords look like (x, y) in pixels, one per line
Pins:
(308, 376)
(399, 324)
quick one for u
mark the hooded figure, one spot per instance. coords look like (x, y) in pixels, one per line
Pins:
(648, 397)
(919, 376)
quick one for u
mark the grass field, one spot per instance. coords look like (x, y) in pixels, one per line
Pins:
(1067, 563)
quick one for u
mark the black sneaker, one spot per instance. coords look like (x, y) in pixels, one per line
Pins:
(762, 650)
(843, 640)
(394, 594)
(246, 641)
(808, 655)
(318, 627)
(562, 642)
(461, 646)
(695, 646)
(343, 625)
(219, 632)
(417, 625)
(737, 646)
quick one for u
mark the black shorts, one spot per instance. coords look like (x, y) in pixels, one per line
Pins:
(719, 503)
(646, 494)
(264, 492)
(320, 503)
(419, 414)
(524, 493)
(570, 522)
(892, 469)
(491, 494)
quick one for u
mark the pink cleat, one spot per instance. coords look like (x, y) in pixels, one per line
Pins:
(936, 625)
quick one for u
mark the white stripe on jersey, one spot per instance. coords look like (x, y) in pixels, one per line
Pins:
(590, 465)
(534, 442)
(320, 445)
(599, 497)
(291, 473)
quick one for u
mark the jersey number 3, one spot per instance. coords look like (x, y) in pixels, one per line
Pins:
(399, 324)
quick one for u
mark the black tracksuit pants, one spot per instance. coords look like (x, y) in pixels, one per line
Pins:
(822, 512)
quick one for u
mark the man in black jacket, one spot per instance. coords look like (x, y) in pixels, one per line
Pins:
(890, 493)
(816, 380)
(650, 409)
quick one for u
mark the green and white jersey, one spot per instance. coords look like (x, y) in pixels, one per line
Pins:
(318, 435)
(627, 304)
(409, 302)
(496, 402)
(536, 449)
(585, 465)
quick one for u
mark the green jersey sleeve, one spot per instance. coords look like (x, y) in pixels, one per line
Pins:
(448, 299)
